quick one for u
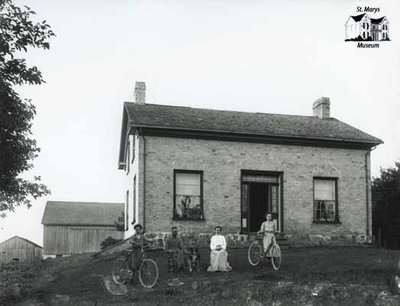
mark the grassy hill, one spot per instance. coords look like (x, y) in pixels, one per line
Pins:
(308, 276)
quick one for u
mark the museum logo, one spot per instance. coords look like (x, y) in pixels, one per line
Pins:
(365, 30)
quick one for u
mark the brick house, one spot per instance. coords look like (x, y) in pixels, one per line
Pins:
(196, 168)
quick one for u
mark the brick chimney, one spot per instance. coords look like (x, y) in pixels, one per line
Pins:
(140, 93)
(321, 108)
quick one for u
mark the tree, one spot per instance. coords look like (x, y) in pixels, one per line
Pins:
(386, 206)
(17, 147)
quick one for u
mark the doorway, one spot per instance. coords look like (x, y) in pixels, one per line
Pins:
(261, 194)
(258, 195)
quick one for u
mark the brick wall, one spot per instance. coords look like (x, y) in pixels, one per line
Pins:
(222, 163)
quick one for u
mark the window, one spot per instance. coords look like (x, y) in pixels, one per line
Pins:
(127, 210)
(363, 25)
(363, 34)
(367, 26)
(188, 195)
(325, 200)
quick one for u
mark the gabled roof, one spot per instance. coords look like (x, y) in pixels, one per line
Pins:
(24, 239)
(81, 213)
(198, 120)
(373, 20)
(358, 17)
(377, 20)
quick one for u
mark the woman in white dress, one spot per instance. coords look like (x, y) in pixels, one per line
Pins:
(268, 230)
(218, 256)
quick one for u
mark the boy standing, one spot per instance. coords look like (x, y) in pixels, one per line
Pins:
(175, 249)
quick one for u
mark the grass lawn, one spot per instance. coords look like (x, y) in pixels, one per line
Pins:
(308, 276)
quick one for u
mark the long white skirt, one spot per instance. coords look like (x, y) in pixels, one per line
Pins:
(219, 261)
(267, 240)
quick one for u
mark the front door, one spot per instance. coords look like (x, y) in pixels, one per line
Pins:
(258, 204)
(260, 195)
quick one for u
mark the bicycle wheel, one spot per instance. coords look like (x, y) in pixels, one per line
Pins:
(276, 256)
(120, 271)
(148, 273)
(254, 253)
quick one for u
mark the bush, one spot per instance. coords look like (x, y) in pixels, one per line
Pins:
(109, 241)
(385, 207)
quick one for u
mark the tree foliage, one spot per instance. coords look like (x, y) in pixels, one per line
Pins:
(18, 33)
(386, 206)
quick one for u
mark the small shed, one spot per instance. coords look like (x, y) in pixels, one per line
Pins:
(19, 249)
(79, 227)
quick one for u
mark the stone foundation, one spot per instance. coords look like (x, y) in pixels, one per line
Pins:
(237, 240)
(334, 240)
(202, 240)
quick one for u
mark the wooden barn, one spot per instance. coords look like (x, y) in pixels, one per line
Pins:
(19, 249)
(78, 227)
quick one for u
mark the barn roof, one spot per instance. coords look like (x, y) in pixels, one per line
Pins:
(81, 213)
(18, 237)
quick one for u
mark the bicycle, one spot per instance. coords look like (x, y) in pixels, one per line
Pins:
(148, 270)
(256, 254)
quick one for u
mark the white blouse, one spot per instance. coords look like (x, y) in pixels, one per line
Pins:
(267, 227)
(217, 240)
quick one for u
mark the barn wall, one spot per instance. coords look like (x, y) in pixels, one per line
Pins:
(65, 240)
(19, 248)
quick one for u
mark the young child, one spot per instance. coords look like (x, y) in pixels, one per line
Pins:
(268, 230)
(194, 259)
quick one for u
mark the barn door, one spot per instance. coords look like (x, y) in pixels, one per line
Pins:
(76, 240)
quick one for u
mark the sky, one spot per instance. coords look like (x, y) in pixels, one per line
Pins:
(257, 56)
